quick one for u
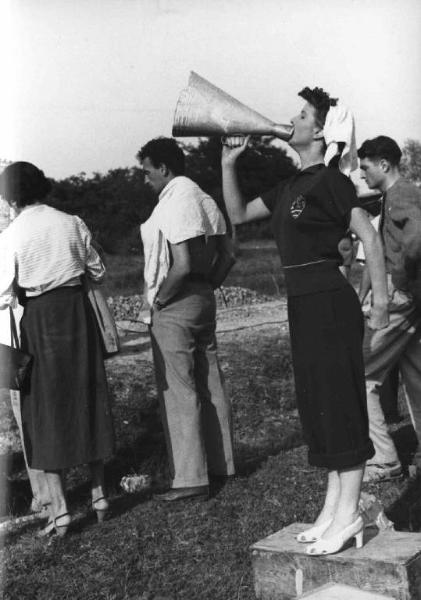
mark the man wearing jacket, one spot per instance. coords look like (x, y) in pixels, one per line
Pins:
(400, 342)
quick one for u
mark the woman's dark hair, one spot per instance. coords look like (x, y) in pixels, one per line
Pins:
(164, 151)
(22, 183)
(381, 147)
(321, 101)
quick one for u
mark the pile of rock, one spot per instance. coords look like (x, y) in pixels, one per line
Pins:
(128, 307)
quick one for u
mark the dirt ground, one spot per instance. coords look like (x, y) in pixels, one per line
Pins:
(135, 345)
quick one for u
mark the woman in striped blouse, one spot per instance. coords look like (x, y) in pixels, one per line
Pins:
(65, 409)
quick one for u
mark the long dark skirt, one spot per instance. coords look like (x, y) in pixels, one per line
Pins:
(326, 331)
(65, 410)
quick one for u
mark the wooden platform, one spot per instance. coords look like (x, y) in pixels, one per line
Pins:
(389, 564)
(337, 591)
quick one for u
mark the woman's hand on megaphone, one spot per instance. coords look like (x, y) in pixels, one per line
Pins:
(232, 147)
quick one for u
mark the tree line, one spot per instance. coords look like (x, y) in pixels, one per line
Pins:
(114, 204)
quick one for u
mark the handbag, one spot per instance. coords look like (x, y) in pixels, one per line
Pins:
(105, 321)
(15, 365)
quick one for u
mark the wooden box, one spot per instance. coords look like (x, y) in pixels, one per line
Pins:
(389, 563)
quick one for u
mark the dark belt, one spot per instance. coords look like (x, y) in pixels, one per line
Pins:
(313, 277)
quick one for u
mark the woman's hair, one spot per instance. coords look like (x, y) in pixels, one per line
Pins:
(320, 100)
(164, 151)
(22, 183)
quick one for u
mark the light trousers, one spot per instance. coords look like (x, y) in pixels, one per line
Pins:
(397, 344)
(39, 486)
(195, 410)
(36, 478)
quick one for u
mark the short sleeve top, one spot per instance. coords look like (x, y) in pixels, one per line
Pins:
(310, 214)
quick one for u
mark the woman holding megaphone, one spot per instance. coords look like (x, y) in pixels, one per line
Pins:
(311, 212)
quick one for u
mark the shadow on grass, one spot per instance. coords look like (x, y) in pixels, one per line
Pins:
(249, 458)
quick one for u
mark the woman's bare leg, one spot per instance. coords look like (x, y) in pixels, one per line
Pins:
(347, 506)
(58, 506)
(331, 499)
(99, 501)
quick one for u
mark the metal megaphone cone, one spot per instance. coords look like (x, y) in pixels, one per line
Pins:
(205, 110)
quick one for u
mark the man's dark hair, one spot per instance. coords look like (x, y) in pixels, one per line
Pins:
(321, 101)
(381, 147)
(165, 151)
(24, 184)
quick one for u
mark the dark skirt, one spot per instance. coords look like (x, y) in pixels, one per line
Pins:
(65, 410)
(326, 331)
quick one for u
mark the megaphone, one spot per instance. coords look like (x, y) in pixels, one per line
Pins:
(205, 110)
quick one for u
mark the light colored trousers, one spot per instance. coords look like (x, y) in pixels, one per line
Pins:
(195, 410)
(36, 478)
(399, 343)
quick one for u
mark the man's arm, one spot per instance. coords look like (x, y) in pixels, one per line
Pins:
(145, 309)
(346, 250)
(180, 268)
(224, 261)
(238, 209)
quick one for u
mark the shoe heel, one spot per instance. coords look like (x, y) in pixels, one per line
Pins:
(359, 539)
(47, 530)
(101, 514)
(101, 507)
(61, 530)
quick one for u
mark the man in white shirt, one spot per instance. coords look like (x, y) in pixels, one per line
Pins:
(187, 255)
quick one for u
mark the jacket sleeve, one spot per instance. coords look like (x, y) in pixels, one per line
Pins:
(407, 216)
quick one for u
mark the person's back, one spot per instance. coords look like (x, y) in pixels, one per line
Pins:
(187, 255)
(51, 248)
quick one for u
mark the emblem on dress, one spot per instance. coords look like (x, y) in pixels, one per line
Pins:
(297, 206)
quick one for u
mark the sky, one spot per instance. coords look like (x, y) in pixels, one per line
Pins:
(85, 83)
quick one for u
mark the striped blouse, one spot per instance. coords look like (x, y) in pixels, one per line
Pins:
(42, 249)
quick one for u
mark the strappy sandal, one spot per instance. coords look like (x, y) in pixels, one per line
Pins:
(102, 509)
(47, 530)
(61, 530)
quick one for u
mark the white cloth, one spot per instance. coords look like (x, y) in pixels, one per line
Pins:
(44, 248)
(340, 127)
(183, 212)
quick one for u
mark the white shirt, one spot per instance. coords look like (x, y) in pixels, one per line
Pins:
(42, 249)
(184, 211)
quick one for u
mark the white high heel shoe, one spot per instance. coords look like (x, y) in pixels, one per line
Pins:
(336, 542)
(314, 533)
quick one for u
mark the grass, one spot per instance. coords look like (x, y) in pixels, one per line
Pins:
(191, 550)
(186, 551)
(148, 551)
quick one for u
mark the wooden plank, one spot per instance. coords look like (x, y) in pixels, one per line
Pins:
(389, 563)
(337, 591)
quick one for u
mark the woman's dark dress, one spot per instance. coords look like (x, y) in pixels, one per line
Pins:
(310, 215)
(65, 410)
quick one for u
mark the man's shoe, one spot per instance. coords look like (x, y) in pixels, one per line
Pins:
(183, 493)
(376, 473)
